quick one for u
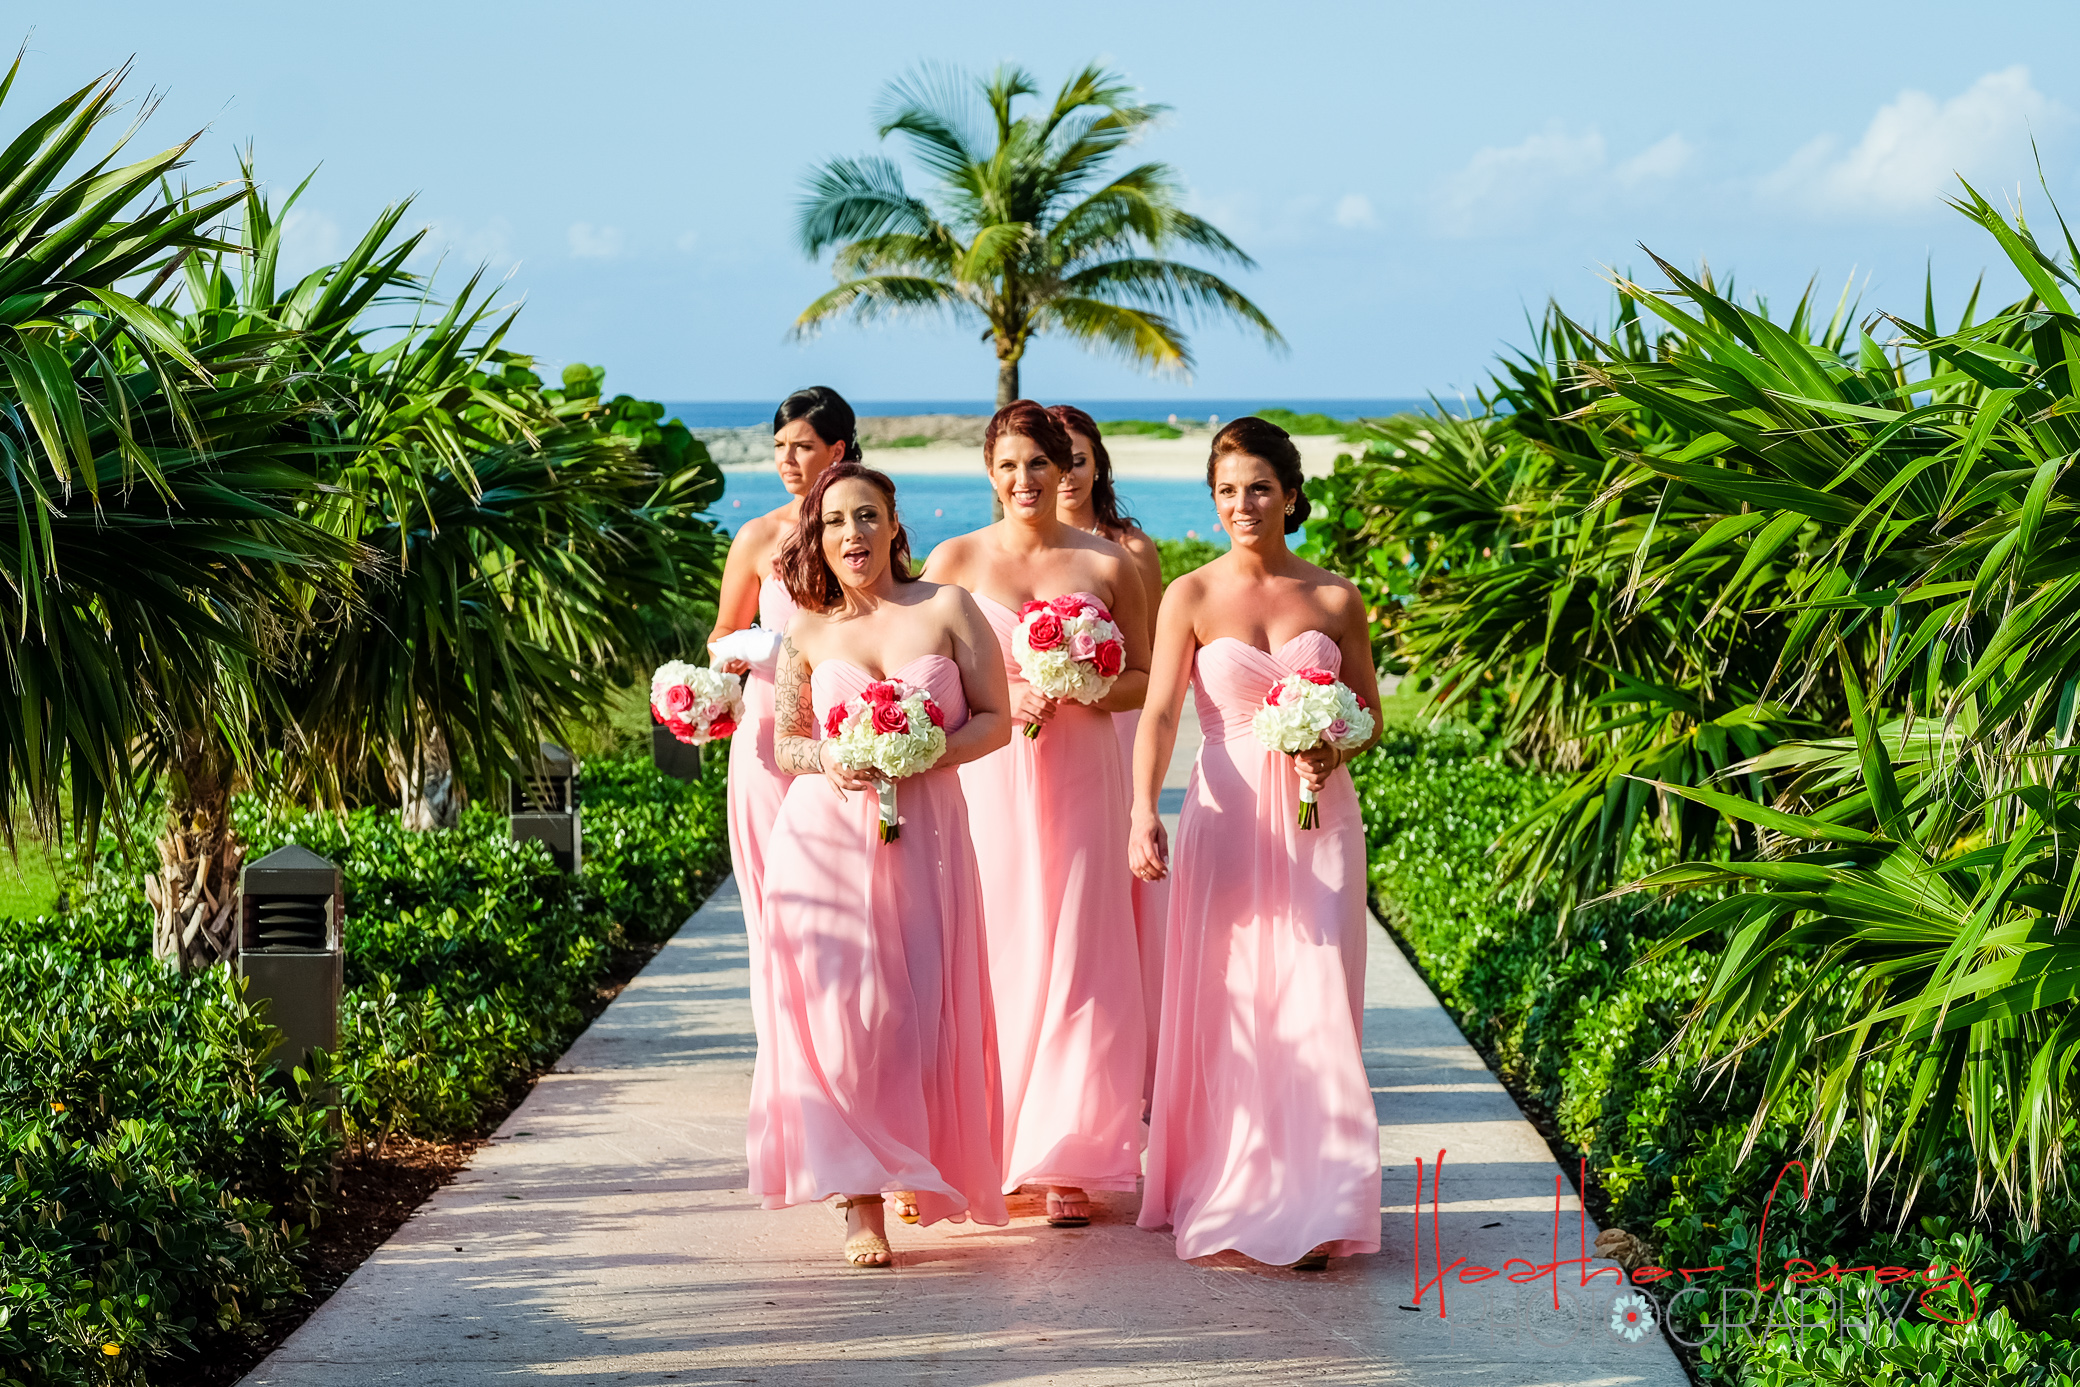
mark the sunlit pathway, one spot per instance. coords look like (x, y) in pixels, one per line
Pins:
(605, 1237)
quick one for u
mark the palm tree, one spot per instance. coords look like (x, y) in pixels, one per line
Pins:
(1025, 238)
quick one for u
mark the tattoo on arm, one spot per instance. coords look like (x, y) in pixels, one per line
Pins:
(794, 715)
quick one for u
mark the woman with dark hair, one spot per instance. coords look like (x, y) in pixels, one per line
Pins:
(1262, 1133)
(877, 1072)
(812, 429)
(1087, 501)
(1051, 829)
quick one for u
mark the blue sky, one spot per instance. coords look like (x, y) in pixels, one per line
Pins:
(1410, 178)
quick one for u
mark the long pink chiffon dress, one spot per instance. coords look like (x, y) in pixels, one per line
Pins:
(879, 1067)
(1050, 827)
(1262, 1134)
(756, 782)
(1151, 909)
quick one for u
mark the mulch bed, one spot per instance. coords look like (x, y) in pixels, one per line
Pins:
(377, 1193)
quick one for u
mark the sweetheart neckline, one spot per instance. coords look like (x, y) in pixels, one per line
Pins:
(877, 678)
(1269, 654)
(1013, 611)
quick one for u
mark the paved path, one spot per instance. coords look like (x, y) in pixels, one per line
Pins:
(605, 1236)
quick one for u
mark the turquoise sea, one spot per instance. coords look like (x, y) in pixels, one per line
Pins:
(933, 508)
(737, 414)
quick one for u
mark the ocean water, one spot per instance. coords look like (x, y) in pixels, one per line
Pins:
(738, 414)
(933, 508)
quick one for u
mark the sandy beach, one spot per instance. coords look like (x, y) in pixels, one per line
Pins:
(1132, 456)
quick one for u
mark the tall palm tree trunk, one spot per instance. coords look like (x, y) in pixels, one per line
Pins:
(192, 892)
(429, 795)
(1007, 380)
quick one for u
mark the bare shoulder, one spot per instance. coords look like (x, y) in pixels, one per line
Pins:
(1137, 543)
(1192, 587)
(953, 555)
(804, 630)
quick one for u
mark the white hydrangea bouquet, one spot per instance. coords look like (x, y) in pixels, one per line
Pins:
(894, 728)
(698, 705)
(1308, 709)
(1067, 647)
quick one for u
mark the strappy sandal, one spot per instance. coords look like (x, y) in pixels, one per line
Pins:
(1060, 1207)
(906, 1205)
(1317, 1260)
(863, 1244)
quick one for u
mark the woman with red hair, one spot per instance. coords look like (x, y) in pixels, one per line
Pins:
(877, 1073)
(1051, 830)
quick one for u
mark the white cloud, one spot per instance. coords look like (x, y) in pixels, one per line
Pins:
(1915, 145)
(466, 245)
(1665, 158)
(309, 239)
(1354, 213)
(589, 242)
(1499, 184)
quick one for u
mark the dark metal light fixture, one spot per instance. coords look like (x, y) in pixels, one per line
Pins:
(674, 758)
(545, 807)
(290, 908)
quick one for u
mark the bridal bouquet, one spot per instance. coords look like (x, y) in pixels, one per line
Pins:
(1306, 710)
(894, 728)
(1067, 647)
(698, 705)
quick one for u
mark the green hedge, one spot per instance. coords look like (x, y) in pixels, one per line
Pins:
(155, 1181)
(1577, 1025)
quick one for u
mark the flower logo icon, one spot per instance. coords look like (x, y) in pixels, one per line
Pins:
(1632, 1317)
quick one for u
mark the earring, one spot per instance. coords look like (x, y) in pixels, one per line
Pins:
(1289, 507)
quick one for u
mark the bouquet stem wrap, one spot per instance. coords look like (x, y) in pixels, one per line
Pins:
(1309, 816)
(891, 826)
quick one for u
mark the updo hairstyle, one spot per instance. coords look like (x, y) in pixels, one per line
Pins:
(826, 412)
(1027, 419)
(1260, 438)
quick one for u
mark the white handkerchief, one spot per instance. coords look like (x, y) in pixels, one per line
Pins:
(754, 645)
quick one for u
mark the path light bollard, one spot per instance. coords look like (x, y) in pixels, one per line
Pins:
(671, 756)
(290, 907)
(545, 806)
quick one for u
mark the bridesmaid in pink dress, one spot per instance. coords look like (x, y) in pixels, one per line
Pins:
(812, 429)
(1050, 827)
(877, 1073)
(1262, 1134)
(1087, 501)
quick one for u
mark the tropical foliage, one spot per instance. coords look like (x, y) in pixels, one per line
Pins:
(331, 531)
(1789, 607)
(1028, 234)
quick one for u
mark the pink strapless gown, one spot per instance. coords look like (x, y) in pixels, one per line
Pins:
(1151, 909)
(1050, 829)
(1262, 1135)
(879, 1067)
(756, 783)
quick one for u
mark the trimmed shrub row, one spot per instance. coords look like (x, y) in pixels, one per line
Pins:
(156, 1182)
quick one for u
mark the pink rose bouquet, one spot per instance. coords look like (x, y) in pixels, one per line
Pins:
(1310, 709)
(1067, 647)
(698, 705)
(894, 728)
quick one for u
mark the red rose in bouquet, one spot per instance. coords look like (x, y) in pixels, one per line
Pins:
(1111, 658)
(722, 727)
(1067, 605)
(1044, 632)
(889, 716)
(834, 721)
(677, 699)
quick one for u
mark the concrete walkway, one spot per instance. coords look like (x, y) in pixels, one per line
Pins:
(605, 1236)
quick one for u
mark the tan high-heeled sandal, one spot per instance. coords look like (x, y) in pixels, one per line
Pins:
(864, 1244)
(906, 1205)
(1068, 1210)
(1317, 1260)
